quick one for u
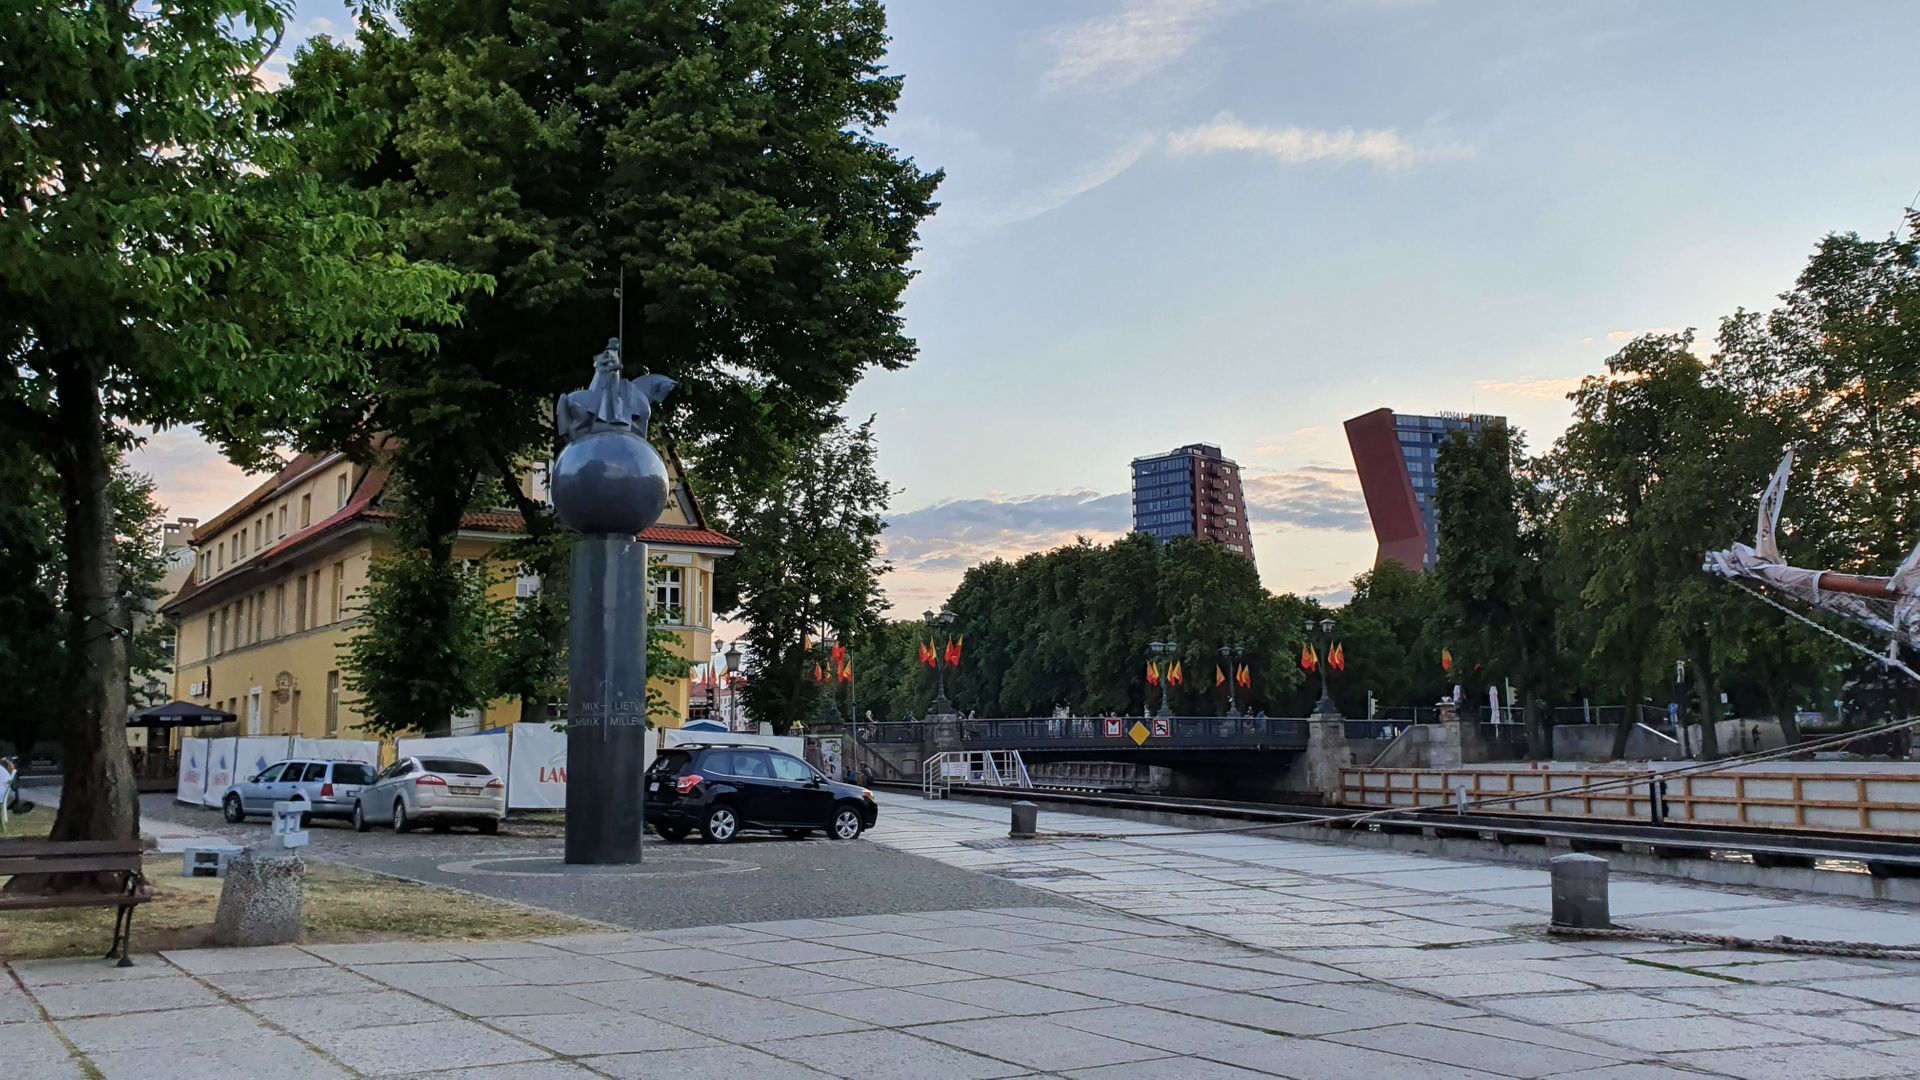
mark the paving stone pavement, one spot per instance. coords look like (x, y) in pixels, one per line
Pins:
(1224, 957)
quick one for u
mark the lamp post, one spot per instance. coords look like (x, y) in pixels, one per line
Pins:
(936, 623)
(1325, 706)
(732, 685)
(1230, 655)
(1160, 650)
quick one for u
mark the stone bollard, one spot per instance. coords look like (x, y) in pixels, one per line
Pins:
(262, 901)
(1580, 892)
(1026, 820)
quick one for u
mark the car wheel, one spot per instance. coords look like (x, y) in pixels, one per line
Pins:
(488, 826)
(673, 834)
(400, 822)
(721, 826)
(845, 824)
(235, 813)
(796, 834)
(359, 819)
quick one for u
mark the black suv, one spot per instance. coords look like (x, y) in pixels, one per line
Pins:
(723, 789)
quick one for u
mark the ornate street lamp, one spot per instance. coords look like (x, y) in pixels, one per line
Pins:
(1230, 656)
(1325, 706)
(732, 658)
(1161, 650)
(937, 623)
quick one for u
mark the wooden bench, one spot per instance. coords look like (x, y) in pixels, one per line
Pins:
(115, 861)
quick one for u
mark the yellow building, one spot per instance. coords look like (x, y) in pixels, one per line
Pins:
(272, 595)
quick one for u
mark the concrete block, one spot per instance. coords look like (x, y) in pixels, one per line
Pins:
(1026, 820)
(262, 901)
(1580, 891)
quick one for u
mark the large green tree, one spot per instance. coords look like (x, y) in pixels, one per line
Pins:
(1491, 575)
(717, 161)
(810, 549)
(163, 261)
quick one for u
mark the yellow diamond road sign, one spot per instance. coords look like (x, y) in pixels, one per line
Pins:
(1138, 733)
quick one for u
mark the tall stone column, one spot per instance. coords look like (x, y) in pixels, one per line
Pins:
(608, 485)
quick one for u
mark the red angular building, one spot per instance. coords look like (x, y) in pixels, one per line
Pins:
(1395, 455)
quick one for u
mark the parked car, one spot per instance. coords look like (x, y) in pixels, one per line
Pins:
(435, 791)
(722, 789)
(331, 786)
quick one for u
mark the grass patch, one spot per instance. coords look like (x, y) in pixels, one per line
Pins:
(343, 905)
(33, 825)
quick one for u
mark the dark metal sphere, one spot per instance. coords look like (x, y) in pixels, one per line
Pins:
(609, 483)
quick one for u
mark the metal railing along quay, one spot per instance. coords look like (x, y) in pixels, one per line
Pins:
(1104, 733)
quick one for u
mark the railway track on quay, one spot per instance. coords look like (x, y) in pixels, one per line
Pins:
(1824, 862)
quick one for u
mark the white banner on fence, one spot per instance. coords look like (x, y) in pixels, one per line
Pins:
(337, 750)
(539, 778)
(193, 772)
(256, 752)
(489, 750)
(219, 769)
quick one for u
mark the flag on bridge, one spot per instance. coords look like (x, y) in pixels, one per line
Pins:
(1446, 660)
(1153, 674)
(1244, 677)
(928, 656)
(1309, 659)
(846, 670)
(818, 675)
(1175, 676)
(839, 653)
(1337, 659)
(1219, 677)
(952, 654)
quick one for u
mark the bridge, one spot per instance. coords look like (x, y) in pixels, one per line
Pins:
(1098, 737)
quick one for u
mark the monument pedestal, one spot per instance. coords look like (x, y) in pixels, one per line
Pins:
(607, 701)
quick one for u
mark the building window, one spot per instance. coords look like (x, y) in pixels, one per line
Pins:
(666, 589)
(306, 510)
(210, 621)
(333, 704)
(260, 616)
(279, 610)
(340, 488)
(223, 629)
(525, 586)
(300, 604)
(219, 557)
(240, 623)
(316, 598)
(283, 522)
(339, 587)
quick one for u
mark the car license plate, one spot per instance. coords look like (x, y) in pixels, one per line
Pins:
(466, 790)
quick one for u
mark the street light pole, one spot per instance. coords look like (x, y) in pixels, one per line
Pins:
(935, 624)
(1163, 649)
(1230, 655)
(1325, 706)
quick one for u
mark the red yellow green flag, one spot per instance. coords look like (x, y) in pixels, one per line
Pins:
(1309, 659)
(1176, 676)
(1153, 674)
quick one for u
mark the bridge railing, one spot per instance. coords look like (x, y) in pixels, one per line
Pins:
(1106, 732)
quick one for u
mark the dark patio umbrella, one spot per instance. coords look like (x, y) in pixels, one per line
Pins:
(178, 714)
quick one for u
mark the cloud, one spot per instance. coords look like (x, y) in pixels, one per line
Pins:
(1629, 335)
(959, 533)
(1307, 497)
(1144, 37)
(1383, 148)
(1536, 389)
(190, 477)
(1095, 174)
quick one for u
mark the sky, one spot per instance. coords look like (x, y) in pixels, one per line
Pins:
(1244, 222)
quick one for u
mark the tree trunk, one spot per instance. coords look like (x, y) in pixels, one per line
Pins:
(1703, 684)
(99, 799)
(1624, 729)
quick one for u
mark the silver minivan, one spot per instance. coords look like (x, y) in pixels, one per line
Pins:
(331, 786)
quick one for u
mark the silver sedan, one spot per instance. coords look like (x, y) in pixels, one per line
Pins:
(434, 791)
